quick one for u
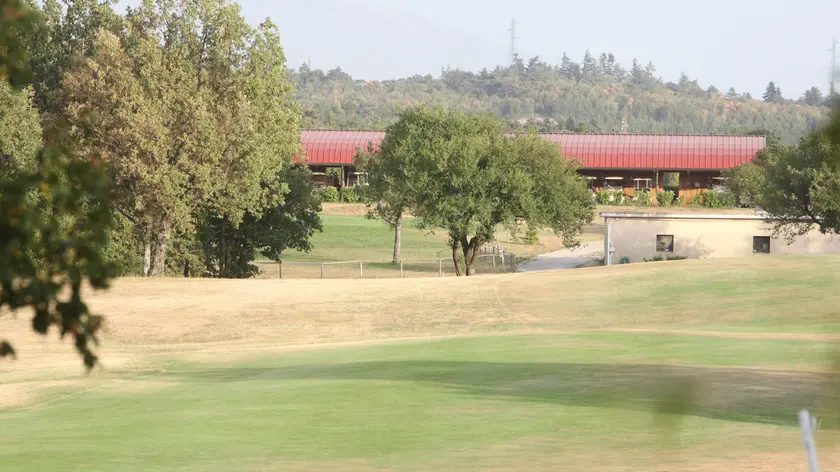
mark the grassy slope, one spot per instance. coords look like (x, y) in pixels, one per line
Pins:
(544, 372)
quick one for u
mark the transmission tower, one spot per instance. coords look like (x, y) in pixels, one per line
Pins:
(513, 37)
(832, 79)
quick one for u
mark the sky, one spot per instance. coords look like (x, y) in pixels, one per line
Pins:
(728, 43)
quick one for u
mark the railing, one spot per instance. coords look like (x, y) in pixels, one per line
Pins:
(407, 268)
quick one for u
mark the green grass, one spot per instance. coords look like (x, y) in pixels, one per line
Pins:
(545, 378)
(421, 405)
(354, 237)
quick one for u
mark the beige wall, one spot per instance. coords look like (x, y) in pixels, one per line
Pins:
(706, 238)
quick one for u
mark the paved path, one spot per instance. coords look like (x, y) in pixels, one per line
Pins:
(565, 258)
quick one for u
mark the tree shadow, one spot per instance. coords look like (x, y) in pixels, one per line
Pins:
(734, 394)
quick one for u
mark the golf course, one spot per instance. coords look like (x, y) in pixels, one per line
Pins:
(690, 365)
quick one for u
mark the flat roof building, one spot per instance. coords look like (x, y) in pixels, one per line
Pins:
(635, 237)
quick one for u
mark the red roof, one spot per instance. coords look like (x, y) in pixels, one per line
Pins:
(336, 147)
(593, 151)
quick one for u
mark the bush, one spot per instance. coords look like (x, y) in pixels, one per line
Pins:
(348, 195)
(666, 198)
(682, 201)
(624, 260)
(329, 194)
(715, 199)
(669, 258)
(612, 197)
(644, 198)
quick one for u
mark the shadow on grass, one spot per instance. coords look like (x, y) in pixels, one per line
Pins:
(734, 394)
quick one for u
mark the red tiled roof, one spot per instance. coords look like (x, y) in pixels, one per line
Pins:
(593, 151)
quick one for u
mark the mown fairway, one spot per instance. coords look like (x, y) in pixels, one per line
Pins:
(548, 371)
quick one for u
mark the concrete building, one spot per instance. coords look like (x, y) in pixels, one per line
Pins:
(640, 236)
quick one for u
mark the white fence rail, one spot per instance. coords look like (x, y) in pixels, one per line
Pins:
(407, 268)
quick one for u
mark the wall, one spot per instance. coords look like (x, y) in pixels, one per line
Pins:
(707, 238)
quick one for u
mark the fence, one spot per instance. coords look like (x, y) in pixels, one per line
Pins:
(485, 264)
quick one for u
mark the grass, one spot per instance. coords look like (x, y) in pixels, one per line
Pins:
(559, 371)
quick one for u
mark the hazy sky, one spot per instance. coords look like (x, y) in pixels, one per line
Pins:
(728, 43)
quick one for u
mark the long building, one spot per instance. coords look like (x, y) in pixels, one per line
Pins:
(627, 162)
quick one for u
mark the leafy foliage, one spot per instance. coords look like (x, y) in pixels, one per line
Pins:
(460, 174)
(715, 199)
(348, 195)
(666, 198)
(190, 107)
(603, 97)
(329, 194)
(229, 249)
(54, 215)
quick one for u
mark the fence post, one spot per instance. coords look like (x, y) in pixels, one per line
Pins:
(494, 262)
(361, 270)
(513, 259)
(322, 270)
(402, 275)
(440, 267)
(280, 264)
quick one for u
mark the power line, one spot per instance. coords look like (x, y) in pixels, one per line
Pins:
(513, 37)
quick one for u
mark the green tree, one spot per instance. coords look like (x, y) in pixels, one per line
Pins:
(229, 249)
(385, 190)
(803, 185)
(731, 94)
(192, 110)
(54, 217)
(813, 96)
(20, 131)
(464, 177)
(772, 94)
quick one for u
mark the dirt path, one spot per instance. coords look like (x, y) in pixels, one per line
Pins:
(565, 258)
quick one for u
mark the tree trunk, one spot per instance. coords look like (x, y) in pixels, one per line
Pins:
(147, 252)
(158, 268)
(455, 256)
(398, 227)
(470, 248)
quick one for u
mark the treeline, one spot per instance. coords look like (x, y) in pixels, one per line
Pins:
(596, 94)
(189, 109)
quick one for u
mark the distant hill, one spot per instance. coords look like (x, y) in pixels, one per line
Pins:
(597, 94)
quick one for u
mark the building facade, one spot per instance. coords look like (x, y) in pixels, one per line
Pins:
(639, 236)
(628, 163)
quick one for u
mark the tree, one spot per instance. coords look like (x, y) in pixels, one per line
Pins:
(464, 177)
(772, 94)
(589, 67)
(229, 249)
(193, 113)
(20, 131)
(385, 189)
(54, 218)
(731, 94)
(813, 96)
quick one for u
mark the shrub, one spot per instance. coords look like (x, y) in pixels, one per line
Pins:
(612, 197)
(715, 199)
(348, 195)
(668, 258)
(329, 194)
(666, 198)
(644, 198)
(624, 260)
(603, 197)
(682, 201)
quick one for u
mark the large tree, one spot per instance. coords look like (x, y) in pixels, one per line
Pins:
(191, 108)
(289, 223)
(54, 214)
(463, 176)
(384, 191)
(20, 131)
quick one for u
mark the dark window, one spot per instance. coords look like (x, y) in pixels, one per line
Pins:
(761, 245)
(665, 243)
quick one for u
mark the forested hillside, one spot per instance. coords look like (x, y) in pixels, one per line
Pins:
(597, 94)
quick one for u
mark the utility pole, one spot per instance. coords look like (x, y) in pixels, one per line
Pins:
(832, 79)
(512, 51)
